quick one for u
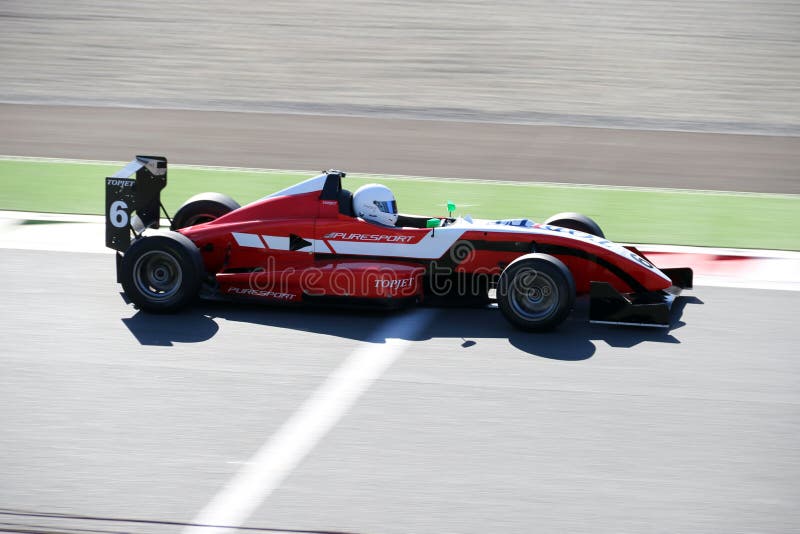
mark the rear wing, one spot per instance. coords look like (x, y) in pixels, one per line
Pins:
(134, 203)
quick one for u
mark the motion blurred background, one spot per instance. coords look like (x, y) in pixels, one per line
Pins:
(717, 65)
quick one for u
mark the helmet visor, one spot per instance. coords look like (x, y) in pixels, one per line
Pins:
(387, 207)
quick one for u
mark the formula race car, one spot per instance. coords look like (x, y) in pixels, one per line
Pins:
(316, 242)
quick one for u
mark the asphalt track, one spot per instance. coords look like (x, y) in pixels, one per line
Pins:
(684, 160)
(474, 428)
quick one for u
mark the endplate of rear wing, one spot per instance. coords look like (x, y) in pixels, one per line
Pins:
(133, 199)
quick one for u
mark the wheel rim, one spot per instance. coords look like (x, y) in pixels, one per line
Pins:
(157, 275)
(533, 295)
(199, 218)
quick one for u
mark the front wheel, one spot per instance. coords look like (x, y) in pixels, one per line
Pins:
(536, 292)
(161, 273)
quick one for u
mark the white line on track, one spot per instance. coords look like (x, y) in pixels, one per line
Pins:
(736, 283)
(276, 459)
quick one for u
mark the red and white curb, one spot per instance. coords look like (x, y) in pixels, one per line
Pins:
(720, 267)
(756, 269)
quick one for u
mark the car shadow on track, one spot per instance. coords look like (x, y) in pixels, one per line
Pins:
(574, 340)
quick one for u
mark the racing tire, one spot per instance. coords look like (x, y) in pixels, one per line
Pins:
(203, 208)
(536, 292)
(576, 221)
(162, 273)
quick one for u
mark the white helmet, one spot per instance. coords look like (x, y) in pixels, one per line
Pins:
(376, 203)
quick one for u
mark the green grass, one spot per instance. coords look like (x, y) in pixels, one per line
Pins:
(639, 216)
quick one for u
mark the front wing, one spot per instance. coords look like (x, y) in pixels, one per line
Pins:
(652, 308)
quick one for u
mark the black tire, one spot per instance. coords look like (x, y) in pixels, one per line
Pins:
(162, 273)
(202, 208)
(576, 221)
(536, 292)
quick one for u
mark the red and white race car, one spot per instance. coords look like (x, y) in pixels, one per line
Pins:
(310, 243)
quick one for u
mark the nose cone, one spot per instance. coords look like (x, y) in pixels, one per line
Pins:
(655, 280)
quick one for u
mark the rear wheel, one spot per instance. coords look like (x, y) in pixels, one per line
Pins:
(575, 221)
(536, 292)
(203, 208)
(162, 273)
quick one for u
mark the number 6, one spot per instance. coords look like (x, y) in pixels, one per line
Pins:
(118, 215)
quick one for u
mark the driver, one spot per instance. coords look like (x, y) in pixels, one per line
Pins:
(375, 203)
